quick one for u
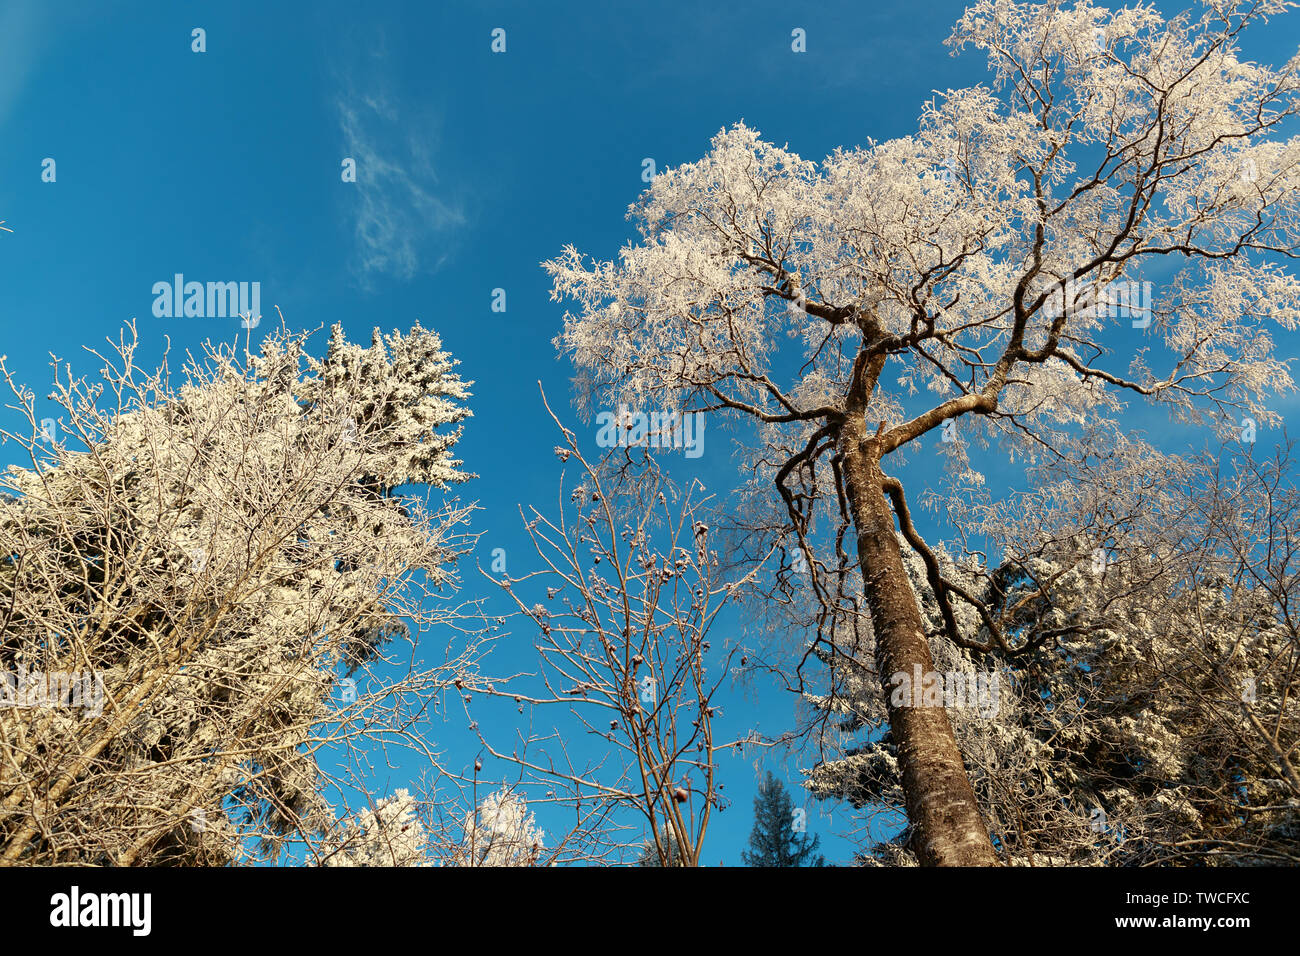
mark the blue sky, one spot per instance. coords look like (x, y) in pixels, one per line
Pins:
(475, 166)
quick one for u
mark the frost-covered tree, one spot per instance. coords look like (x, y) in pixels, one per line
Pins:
(389, 834)
(237, 559)
(501, 831)
(650, 854)
(1156, 720)
(776, 839)
(964, 284)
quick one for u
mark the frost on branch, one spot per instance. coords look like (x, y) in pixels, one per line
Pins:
(390, 834)
(230, 553)
(500, 832)
(971, 285)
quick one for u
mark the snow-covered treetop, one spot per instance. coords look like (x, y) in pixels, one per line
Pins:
(990, 253)
(400, 388)
(501, 832)
(232, 555)
(388, 834)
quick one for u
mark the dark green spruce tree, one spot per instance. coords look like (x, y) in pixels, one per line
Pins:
(774, 841)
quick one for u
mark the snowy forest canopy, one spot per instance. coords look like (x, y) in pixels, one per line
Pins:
(1007, 625)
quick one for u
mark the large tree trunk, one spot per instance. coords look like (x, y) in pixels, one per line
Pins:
(941, 806)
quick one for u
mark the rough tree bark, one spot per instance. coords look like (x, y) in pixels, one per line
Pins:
(941, 805)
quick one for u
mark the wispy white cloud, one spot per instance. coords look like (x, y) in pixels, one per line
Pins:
(402, 217)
